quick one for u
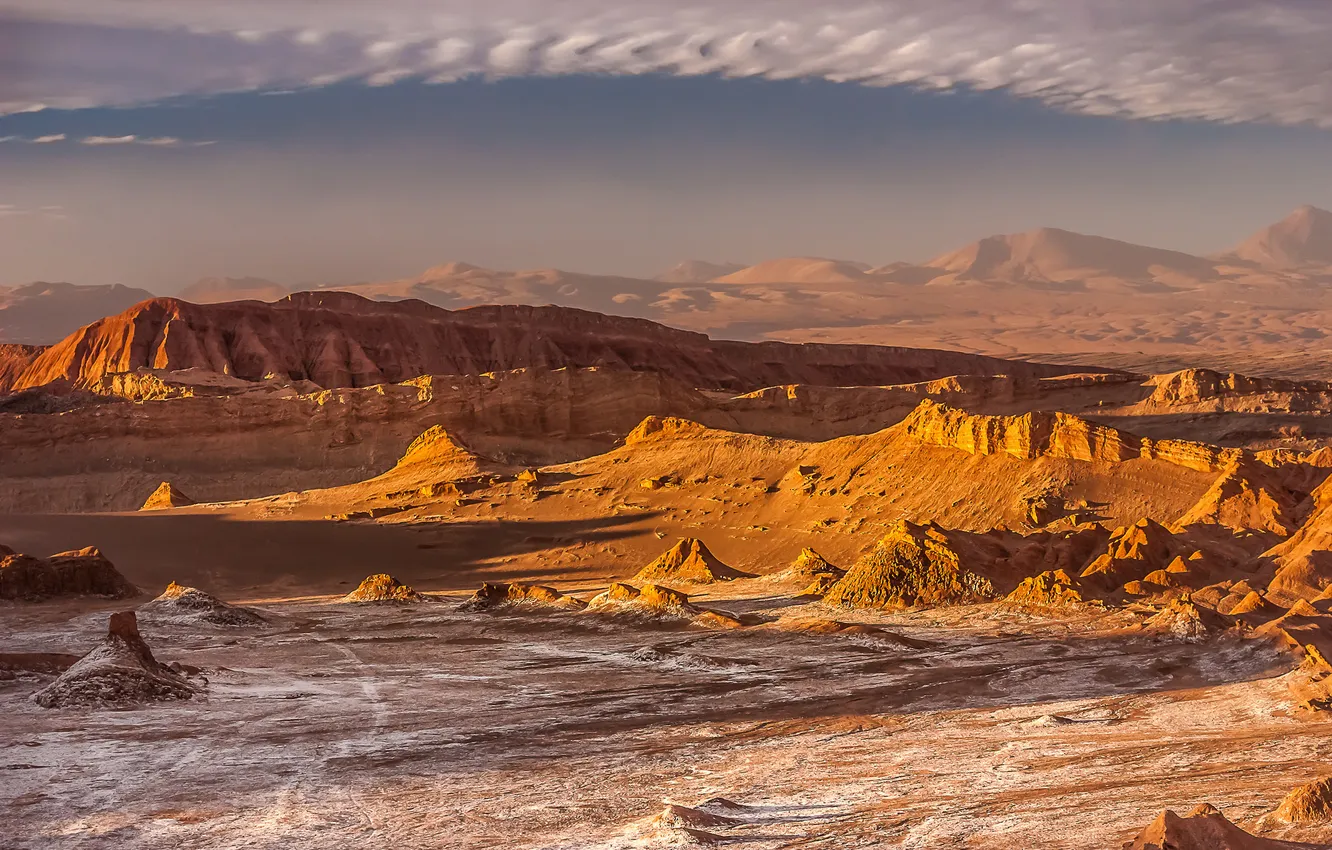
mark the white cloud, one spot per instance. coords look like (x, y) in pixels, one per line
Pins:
(1217, 60)
(110, 140)
(47, 140)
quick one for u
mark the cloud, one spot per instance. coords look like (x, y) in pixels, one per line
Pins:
(47, 140)
(1215, 60)
(110, 140)
(52, 212)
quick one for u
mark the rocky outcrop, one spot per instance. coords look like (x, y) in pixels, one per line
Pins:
(165, 497)
(1050, 589)
(82, 573)
(1193, 386)
(190, 605)
(911, 565)
(1133, 552)
(383, 588)
(337, 339)
(120, 671)
(1204, 828)
(1058, 435)
(499, 595)
(689, 561)
(1247, 496)
(656, 602)
(1308, 804)
(810, 571)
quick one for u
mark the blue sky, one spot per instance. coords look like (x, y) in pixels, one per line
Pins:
(327, 157)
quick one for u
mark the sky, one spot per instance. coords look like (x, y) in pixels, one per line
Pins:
(152, 143)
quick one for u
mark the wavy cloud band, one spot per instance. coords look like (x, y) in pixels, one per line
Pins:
(1213, 60)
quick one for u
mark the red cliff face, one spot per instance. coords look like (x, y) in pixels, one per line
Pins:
(337, 339)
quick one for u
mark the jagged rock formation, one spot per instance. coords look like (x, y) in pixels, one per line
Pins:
(689, 561)
(189, 604)
(1204, 828)
(657, 602)
(337, 339)
(82, 573)
(1132, 553)
(1181, 619)
(1310, 803)
(1050, 589)
(811, 571)
(1195, 386)
(120, 671)
(496, 595)
(1302, 564)
(166, 496)
(383, 588)
(911, 565)
(1060, 435)
(1248, 495)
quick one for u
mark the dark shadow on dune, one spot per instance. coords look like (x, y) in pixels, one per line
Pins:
(297, 557)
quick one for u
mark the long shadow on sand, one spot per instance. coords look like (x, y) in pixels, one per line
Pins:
(299, 557)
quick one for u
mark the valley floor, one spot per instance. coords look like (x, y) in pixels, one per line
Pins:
(429, 726)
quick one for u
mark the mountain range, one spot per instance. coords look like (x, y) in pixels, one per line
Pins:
(1046, 291)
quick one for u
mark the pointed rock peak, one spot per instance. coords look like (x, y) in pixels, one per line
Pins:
(691, 561)
(434, 445)
(166, 496)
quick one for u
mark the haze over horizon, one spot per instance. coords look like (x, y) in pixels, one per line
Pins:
(237, 141)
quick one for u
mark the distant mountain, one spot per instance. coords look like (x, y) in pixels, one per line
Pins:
(38, 313)
(697, 271)
(1300, 240)
(1050, 255)
(799, 270)
(337, 339)
(216, 290)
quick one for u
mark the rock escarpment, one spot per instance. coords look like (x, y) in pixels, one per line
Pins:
(1057, 435)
